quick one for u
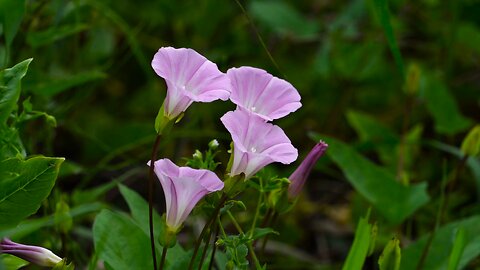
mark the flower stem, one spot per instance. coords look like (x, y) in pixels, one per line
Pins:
(214, 248)
(249, 244)
(204, 230)
(205, 248)
(150, 198)
(164, 257)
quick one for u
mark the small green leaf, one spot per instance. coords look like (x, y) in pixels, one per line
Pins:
(359, 250)
(11, 262)
(391, 256)
(261, 232)
(10, 87)
(24, 185)
(457, 249)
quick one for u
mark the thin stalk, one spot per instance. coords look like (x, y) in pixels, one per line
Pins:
(249, 245)
(214, 248)
(265, 222)
(204, 230)
(205, 248)
(150, 198)
(447, 188)
(257, 212)
(272, 223)
(164, 256)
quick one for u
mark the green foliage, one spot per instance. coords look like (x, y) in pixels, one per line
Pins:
(11, 262)
(457, 249)
(236, 249)
(11, 14)
(24, 185)
(361, 244)
(442, 246)
(471, 143)
(392, 199)
(391, 256)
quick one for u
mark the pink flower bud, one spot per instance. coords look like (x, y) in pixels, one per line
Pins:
(34, 254)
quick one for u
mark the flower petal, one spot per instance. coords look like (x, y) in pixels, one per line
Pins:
(257, 91)
(189, 77)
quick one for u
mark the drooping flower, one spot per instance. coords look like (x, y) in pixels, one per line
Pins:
(300, 175)
(190, 77)
(256, 143)
(183, 188)
(261, 93)
(34, 254)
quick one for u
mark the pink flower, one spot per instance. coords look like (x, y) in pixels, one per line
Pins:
(257, 91)
(183, 188)
(190, 77)
(300, 175)
(256, 143)
(37, 255)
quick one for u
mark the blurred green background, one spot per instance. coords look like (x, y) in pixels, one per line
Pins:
(400, 87)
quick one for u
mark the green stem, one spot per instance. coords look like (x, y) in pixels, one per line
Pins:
(204, 230)
(257, 210)
(164, 256)
(150, 199)
(273, 222)
(214, 247)
(205, 248)
(249, 244)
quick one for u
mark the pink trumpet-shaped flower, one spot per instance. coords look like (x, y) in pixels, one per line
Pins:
(34, 254)
(190, 77)
(256, 143)
(183, 188)
(300, 175)
(257, 91)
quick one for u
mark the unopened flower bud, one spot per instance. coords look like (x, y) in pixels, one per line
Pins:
(213, 144)
(34, 254)
(300, 175)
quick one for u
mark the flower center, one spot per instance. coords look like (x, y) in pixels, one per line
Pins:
(253, 149)
(253, 109)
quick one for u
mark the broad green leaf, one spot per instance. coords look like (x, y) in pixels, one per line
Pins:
(66, 82)
(11, 14)
(283, 19)
(30, 226)
(120, 242)
(361, 243)
(442, 106)
(392, 199)
(381, 138)
(24, 185)
(457, 249)
(442, 244)
(139, 209)
(383, 14)
(11, 262)
(11, 144)
(10, 88)
(53, 34)
(391, 256)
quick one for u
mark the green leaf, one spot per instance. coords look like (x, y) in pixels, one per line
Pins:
(392, 199)
(383, 14)
(11, 14)
(391, 256)
(283, 19)
(24, 185)
(442, 106)
(10, 88)
(139, 209)
(457, 249)
(66, 82)
(11, 262)
(120, 242)
(442, 246)
(53, 34)
(261, 232)
(359, 250)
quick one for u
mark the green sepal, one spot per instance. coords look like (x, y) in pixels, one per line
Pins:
(233, 185)
(471, 143)
(62, 265)
(169, 236)
(279, 201)
(391, 256)
(162, 122)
